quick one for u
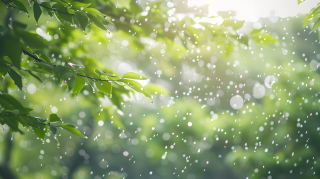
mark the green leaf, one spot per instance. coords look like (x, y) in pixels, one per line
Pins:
(12, 122)
(27, 48)
(71, 82)
(16, 77)
(53, 129)
(54, 118)
(44, 57)
(113, 77)
(64, 72)
(99, 72)
(6, 105)
(79, 84)
(104, 86)
(307, 19)
(35, 76)
(97, 22)
(20, 6)
(43, 67)
(116, 99)
(316, 25)
(132, 75)
(136, 86)
(65, 17)
(13, 50)
(22, 121)
(82, 19)
(63, 13)
(41, 131)
(34, 121)
(58, 17)
(71, 128)
(105, 20)
(48, 8)
(79, 5)
(316, 10)
(155, 89)
(36, 11)
(300, 1)
(7, 99)
(3, 68)
(93, 11)
(28, 109)
(70, 11)
(121, 88)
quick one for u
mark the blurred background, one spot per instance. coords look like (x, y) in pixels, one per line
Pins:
(252, 114)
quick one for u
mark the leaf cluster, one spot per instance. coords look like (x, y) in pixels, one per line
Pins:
(14, 113)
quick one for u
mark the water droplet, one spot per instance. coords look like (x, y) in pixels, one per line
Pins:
(125, 153)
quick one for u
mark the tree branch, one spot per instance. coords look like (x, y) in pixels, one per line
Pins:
(95, 79)
(54, 9)
(31, 55)
(39, 60)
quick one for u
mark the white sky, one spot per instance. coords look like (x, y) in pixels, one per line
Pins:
(252, 10)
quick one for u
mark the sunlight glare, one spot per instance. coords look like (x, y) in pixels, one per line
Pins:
(252, 10)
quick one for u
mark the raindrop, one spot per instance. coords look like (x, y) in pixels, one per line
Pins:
(236, 102)
(125, 153)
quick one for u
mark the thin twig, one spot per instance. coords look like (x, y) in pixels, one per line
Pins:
(31, 55)
(54, 9)
(39, 60)
(94, 79)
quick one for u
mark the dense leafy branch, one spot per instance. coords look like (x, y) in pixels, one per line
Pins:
(39, 60)
(313, 17)
(52, 9)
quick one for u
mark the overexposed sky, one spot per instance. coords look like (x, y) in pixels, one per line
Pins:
(252, 10)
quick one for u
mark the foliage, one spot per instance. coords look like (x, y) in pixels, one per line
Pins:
(16, 40)
(313, 17)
